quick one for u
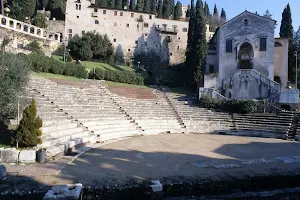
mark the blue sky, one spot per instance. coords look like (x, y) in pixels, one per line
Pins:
(235, 7)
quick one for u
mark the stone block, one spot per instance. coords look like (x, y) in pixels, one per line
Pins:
(9, 155)
(2, 172)
(27, 156)
(64, 192)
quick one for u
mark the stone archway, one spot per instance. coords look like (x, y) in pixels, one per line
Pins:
(245, 56)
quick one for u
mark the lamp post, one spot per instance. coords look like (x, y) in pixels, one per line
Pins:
(65, 52)
(138, 64)
(296, 55)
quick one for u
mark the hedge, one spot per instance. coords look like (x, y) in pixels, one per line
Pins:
(117, 76)
(233, 106)
(42, 63)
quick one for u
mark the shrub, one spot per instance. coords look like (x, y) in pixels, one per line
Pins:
(208, 102)
(28, 132)
(34, 46)
(40, 20)
(234, 106)
(56, 67)
(73, 69)
(39, 62)
(99, 74)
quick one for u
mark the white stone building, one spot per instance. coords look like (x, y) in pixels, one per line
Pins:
(131, 30)
(244, 60)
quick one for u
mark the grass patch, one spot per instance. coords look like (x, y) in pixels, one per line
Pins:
(59, 58)
(56, 76)
(125, 68)
(110, 83)
(91, 65)
(182, 91)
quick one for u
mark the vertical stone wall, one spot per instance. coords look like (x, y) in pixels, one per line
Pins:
(281, 60)
(130, 31)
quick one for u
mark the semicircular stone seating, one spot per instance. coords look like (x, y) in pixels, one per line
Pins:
(75, 114)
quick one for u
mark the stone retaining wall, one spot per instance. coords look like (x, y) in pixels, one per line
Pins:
(13, 155)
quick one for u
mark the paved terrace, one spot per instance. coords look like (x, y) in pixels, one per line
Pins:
(165, 156)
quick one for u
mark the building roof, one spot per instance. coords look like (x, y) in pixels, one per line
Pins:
(248, 13)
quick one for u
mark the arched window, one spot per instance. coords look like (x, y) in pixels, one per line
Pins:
(11, 24)
(3, 21)
(76, 6)
(96, 22)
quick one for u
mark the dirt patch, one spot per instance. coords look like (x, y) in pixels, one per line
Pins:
(129, 92)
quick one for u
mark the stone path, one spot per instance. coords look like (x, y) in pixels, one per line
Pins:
(167, 156)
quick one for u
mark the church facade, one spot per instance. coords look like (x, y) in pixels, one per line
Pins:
(245, 61)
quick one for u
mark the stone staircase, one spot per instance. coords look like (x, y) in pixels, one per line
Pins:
(152, 115)
(196, 119)
(74, 116)
(264, 125)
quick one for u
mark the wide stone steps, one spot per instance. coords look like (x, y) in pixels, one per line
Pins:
(114, 135)
(48, 142)
(64, 146)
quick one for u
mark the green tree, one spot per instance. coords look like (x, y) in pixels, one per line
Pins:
(178, 10)
(267, 14)
(16, 11)
(111, 3)
(215, 19)
(159, 9)
(28, 131)
(28, 7)
(140, 5)
(118, 4)
(125, 4)
(172, 6)
(153, 6)
(287, 31)
(34, 46)
(200, 43)
(58, 9)
(197, 47)
(40, 20)
(101, 2)
(14, 76)
(223, 17)
(166, 9)
(189, 62)
(132, 5)
(146, 6)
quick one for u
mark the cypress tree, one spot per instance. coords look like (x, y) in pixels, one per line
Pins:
(166, 9)
(153, 6)
(111, 3)
(140, 5)
(159, 9)
(199, 43)
(187, 14)
(118, 4)
(223, 17)
(189, 61)
(28, 7)
(287, 31)
(102, 2)
(132, 5)
(125, 4)
(172, 5)
(215, 18)
(178, 10)
(146, 6)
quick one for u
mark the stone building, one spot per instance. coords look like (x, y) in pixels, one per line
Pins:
(133, 32)
(244, 60)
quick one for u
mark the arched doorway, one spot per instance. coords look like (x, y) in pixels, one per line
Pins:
(245, 56)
